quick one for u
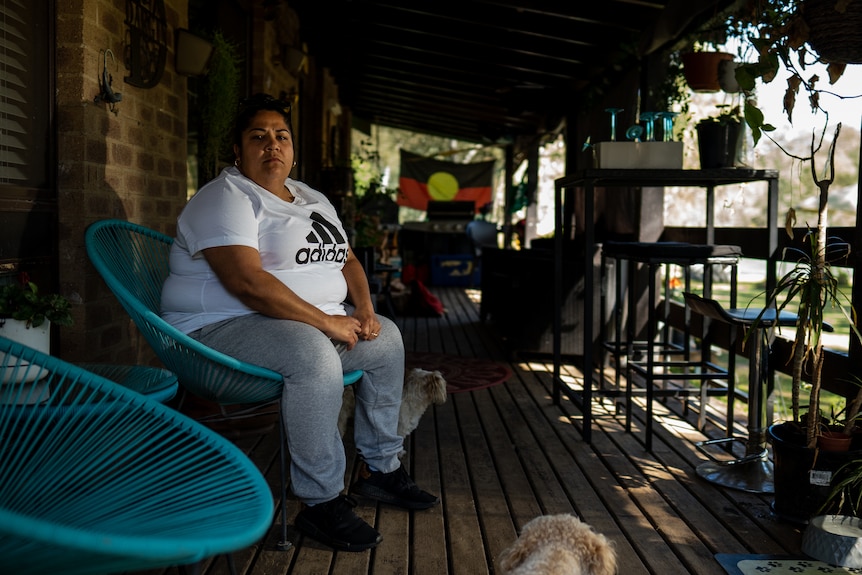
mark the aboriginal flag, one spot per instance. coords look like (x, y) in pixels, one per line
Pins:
(423, 179)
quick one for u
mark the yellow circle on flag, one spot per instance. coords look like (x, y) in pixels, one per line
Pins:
(442, 186)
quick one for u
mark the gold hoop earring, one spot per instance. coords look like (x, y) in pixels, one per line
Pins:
(294, 164)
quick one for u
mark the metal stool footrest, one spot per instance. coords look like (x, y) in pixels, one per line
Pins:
(702, 447)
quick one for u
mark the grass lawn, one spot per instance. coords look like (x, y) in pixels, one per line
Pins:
(752, 293)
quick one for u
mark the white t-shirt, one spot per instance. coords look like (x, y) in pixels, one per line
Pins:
(302, 243)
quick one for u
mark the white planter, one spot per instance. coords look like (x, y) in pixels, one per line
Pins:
(727, 76)
(834, 539)
(36, 337)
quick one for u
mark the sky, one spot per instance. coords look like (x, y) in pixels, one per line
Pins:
(848, 111)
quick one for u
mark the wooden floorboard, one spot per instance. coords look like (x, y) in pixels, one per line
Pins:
(500, 456)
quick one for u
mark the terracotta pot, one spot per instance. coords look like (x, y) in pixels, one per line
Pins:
(701, 70)
(834, 441)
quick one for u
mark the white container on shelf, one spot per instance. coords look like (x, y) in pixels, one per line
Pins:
(639, 155)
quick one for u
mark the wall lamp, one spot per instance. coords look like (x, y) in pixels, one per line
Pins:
(192, 53)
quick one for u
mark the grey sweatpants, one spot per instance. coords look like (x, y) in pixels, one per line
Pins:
(313, 368)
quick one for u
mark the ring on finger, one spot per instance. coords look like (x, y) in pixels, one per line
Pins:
(374, 333)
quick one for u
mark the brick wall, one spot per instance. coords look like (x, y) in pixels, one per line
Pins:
(129, 163)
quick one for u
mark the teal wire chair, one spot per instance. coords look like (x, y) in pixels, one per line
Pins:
(96, 478)
(133, 261)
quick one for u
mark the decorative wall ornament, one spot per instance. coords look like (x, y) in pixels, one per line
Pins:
(106, 92)
(146, 42)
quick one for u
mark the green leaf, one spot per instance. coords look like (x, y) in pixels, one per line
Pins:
(754, 119)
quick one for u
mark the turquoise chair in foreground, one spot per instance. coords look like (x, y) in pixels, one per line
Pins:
(133, 261)
(96, 478)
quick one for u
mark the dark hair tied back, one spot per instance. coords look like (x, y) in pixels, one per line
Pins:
(250, 106)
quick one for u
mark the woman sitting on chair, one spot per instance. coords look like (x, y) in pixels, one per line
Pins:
(261, 270)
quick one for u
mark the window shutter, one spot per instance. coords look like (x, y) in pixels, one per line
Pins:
(24, 96)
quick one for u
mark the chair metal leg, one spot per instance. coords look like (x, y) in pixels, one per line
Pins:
(284, 544)
(195, 568)
(631, 303)
(651, 335)
(231, 564)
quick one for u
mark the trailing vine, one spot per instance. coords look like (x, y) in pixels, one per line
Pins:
(219, 99)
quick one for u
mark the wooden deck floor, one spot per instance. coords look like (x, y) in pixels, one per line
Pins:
(499, 457)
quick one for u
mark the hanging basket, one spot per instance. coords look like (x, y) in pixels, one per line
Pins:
(701, 70)
(834, 35)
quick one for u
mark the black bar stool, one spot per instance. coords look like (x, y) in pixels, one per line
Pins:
(642, 356)
(753, 471)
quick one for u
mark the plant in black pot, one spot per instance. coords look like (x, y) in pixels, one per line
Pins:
(803, 468)
(785, 44)
(790, 37)
(718, 138)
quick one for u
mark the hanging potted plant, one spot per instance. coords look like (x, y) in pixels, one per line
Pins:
(787, 36)
(219, 98)
(701, 68)
(833, 29)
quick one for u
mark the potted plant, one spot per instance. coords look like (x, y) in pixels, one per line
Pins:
(803, 472)
(780, 37)
(718, 138)
(701, 68)
(789, 36)
(219, 97)
(22, 301)
(26, 316)
(836, 432)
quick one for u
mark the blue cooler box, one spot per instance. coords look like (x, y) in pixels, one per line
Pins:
(453, 270)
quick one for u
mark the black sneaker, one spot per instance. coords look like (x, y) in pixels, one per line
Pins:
(395, 488)
(335, 524)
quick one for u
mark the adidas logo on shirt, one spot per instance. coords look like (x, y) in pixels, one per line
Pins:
(326, 243)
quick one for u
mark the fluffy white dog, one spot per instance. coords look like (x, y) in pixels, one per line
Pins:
(421, 389)
(558, 545)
